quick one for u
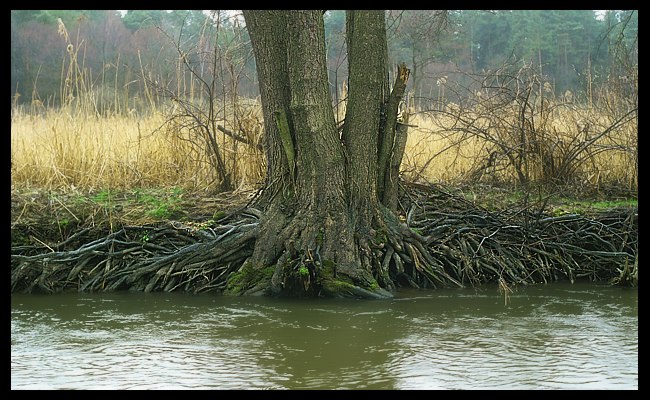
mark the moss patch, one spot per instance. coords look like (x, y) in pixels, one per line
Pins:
(332, 284)
(248, 277)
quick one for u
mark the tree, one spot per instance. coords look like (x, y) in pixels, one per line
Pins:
(138, 19)
(418, 31)
(330, 225)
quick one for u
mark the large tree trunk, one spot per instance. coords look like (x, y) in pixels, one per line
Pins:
(366, 42)
(325, 230)
(267, 29)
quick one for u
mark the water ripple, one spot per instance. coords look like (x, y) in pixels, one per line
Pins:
(545, 339)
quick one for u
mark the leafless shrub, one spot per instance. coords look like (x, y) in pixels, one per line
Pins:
(204, 108)
(526, 132)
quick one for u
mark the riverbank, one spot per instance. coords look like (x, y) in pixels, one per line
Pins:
(479, 234)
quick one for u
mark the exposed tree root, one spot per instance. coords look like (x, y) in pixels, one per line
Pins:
(145, 258)
(441, 241)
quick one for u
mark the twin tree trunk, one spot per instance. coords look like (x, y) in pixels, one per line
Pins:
(330, 198)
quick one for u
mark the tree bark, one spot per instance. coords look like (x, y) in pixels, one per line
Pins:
(367, 53)
(267, 29)
(393, 141)
(324, 231)
(319, 155)
(391, 180)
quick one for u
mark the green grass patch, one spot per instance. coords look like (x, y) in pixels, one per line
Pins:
(157, 203)
(104, 197)
(571, 206)
(160, 204)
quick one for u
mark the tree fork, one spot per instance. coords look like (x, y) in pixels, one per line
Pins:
(326, 233)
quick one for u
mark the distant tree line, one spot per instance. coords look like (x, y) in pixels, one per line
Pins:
(567, 47)
(120, 52)
(571, 49)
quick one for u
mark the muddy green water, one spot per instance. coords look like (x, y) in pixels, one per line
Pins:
(556, 336)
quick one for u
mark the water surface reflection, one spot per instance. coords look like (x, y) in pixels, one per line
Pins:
(558, 336)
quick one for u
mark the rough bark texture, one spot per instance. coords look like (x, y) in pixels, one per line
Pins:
(391, 186)
(393, 142)
(306, 222)
(324, 230)
(320, 180)
(366, 41)
(267, 29)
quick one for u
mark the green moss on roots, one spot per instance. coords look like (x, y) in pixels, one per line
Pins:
(249, 280)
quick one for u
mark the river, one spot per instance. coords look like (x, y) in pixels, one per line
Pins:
(555, 336)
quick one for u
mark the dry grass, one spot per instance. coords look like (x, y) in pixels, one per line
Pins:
(440, 150)
(58, 150)
(97, 141)
(61, 150)
(431, 152)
